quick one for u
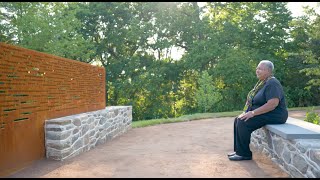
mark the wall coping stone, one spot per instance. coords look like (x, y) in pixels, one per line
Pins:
(295, 129)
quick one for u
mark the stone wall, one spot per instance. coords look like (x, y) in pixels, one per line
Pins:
(300, 158)
(69, 136)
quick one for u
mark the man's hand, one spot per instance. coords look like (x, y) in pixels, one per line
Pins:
(246, 116)
(241, 115)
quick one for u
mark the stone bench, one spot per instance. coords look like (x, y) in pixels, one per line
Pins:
(294, 146)
(296, 129)
(69, 136)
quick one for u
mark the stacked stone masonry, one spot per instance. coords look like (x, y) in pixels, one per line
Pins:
(69, 136)
(300, 158)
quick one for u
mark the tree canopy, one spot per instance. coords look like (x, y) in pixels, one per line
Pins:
(223, 43)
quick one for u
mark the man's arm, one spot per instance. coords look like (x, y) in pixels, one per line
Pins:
(269, 106)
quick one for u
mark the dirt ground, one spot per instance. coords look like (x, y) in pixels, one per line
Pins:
(186, 149)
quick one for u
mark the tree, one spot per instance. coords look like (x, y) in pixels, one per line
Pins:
(48, 27)
(206, 95)
(302, 63)
(312, 54)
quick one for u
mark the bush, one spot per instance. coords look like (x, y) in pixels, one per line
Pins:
(312, 116)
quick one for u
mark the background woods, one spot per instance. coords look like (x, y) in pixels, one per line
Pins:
(135, 42)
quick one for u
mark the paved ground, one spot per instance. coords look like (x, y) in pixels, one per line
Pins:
(186, 149)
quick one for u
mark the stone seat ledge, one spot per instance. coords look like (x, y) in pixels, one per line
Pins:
(295, 129)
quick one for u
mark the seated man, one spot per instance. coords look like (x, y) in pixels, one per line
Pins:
(265, 105)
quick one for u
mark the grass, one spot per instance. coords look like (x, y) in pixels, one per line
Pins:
(197, 116)
(304, 108)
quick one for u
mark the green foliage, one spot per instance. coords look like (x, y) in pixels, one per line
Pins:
(296, 94)
(306, 37)
(133, 42)
(303, 108)
(190, 117)
(312, 116)
(49, 27)
(199, 116)
(206, 95)
(235, 77)
(302, 63)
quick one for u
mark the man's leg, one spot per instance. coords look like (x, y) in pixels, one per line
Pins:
(235, 133)
(243, 133)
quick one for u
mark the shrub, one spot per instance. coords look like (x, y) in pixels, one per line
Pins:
(312, 116)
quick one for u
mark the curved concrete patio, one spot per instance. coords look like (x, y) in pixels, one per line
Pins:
(186, 149)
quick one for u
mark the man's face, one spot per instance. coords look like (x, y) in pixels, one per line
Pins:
(262, 71)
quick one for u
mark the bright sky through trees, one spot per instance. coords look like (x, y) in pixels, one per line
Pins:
(295, 7)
